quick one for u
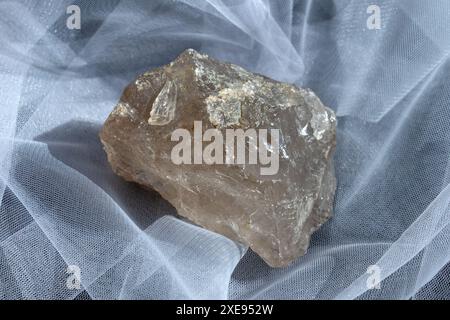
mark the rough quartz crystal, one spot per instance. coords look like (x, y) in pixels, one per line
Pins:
(275, 214)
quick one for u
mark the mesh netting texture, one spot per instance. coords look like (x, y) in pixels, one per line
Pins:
(63, 212)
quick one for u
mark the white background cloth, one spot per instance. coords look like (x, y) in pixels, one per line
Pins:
(62, 206)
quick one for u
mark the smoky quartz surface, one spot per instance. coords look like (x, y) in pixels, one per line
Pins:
(271, 207)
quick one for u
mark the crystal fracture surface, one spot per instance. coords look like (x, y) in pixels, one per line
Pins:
(274, 213)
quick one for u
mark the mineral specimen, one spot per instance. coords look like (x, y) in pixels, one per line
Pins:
(235, 152)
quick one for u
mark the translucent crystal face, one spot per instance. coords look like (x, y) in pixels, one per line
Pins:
(270, 192)
(163, 109)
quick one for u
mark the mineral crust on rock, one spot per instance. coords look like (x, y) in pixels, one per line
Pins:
(271, 207)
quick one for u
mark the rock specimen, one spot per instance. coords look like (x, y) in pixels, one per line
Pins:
(235, 152)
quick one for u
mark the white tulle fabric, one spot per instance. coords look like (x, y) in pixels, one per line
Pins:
(62, 206)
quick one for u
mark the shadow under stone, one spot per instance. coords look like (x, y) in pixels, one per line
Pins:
(76, 144)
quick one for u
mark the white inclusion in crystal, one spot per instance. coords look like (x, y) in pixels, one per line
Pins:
(163, 109)
(123, 109)
(320, 124)
(224, 109)
(304, 131)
